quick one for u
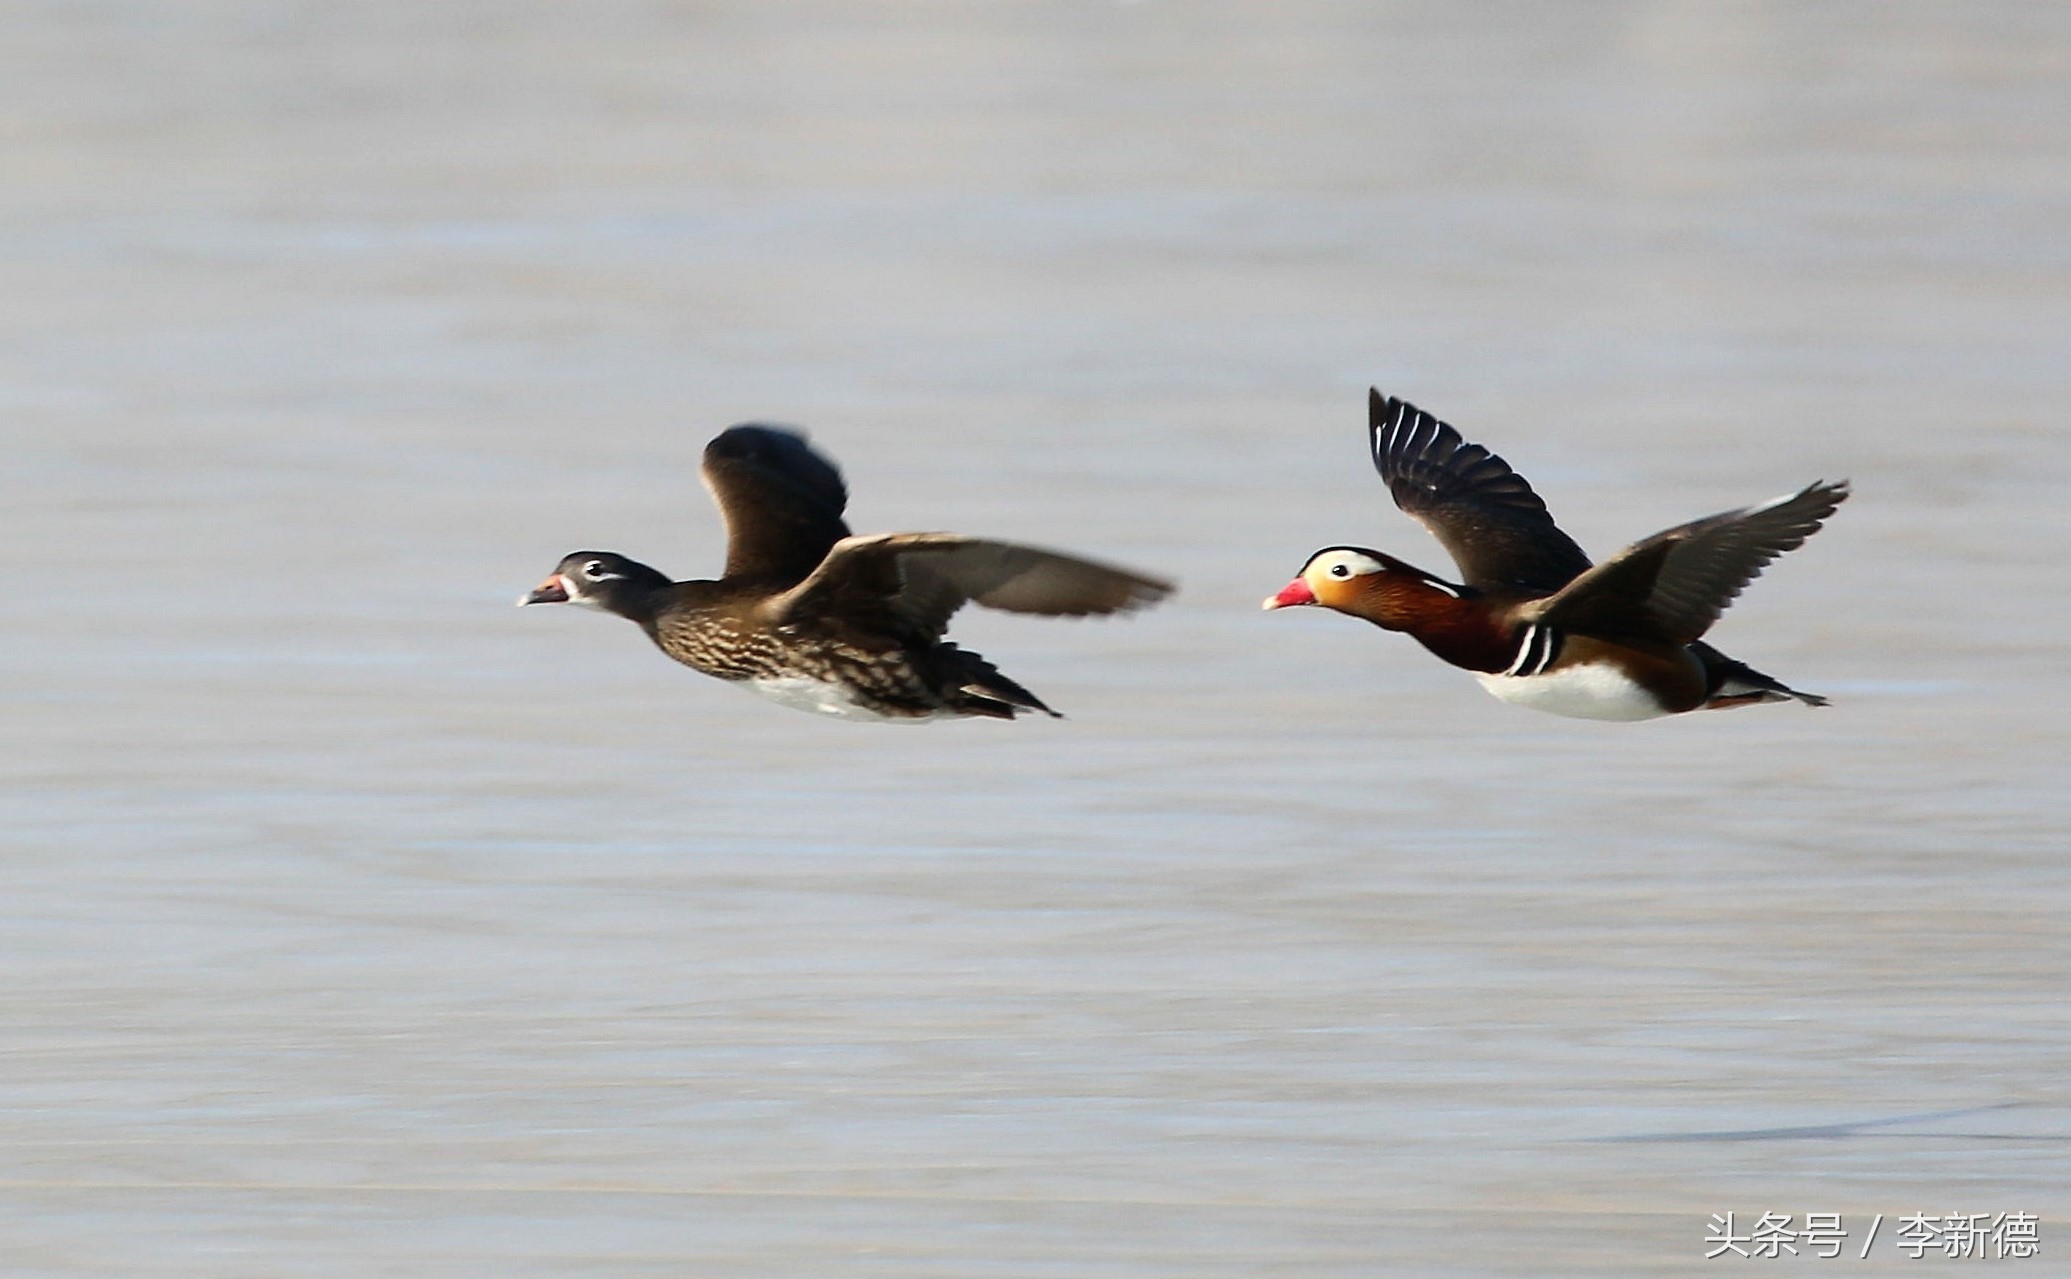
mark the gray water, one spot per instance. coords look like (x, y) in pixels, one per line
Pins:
(359, 924)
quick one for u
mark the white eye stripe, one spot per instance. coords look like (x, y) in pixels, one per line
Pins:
(1342, 565)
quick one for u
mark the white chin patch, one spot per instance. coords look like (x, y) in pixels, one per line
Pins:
(822, 698)
(575, 595)
(1595, 690)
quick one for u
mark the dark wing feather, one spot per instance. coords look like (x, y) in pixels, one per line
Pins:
(914, 582)
(1675, 584)
(782, 501)
(1488, 518)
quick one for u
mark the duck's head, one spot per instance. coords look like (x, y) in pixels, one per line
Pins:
(599, 579)
(1334, 577)
(1352, 579)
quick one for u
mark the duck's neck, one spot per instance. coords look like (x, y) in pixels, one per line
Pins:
(1454, 622)
(684, 599)
(637, 597)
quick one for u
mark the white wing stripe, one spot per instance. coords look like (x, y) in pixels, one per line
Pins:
(1537, 649)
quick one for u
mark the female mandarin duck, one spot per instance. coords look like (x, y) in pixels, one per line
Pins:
(815, 619)
(1534, 620)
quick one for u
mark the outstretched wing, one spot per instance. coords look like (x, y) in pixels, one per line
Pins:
(917, 581)
(781, 500)
(1487, 517)
(1677, 582)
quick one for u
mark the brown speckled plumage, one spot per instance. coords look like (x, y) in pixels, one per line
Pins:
(816, 618)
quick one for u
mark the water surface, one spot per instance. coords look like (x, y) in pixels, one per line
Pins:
(358, 923)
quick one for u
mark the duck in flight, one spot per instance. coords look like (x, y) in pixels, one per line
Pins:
(819, 620)
(1536, 622)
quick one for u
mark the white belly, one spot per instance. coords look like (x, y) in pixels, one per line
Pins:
(1594, 690)
(823, 698)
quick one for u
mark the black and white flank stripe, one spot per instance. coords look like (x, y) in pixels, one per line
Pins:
(1537, 649)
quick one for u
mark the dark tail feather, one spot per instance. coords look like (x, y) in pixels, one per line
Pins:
(1729, 683)
(976, 687)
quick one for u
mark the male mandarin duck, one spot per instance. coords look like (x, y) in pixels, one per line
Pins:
(815, 619)
(1536, 622)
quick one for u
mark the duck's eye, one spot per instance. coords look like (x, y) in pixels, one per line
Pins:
(594, 570)
(1341, 570)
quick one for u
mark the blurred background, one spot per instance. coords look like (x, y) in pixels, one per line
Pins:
(358, 923)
